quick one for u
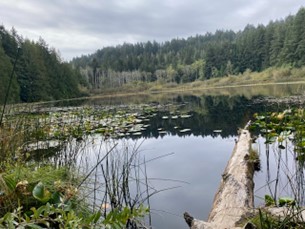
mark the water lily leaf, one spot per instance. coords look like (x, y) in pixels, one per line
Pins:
(186, 116)
(41, 193)
(121, 134)
(270, 140)
(272, 134)
(291, 128)
(285, 134)
(265, 131)
(261, 117)
(136, 128)
(136, 133)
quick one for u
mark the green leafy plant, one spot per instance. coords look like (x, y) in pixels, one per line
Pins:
(41, 193)
(269, 201)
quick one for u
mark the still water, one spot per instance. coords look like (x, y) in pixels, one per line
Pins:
(189, 163)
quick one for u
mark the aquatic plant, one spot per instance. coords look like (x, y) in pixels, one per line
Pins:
(115, 191)
(284, 133)
(36, 194)
(46, 196)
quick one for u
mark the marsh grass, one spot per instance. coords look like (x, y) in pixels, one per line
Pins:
(114, 184)
(117, 184)
(119, 181)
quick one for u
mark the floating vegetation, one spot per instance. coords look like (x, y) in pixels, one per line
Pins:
(284, 133)
(279, 127)
(62, 124)
(186, 116)
(185, 130)
(137, 133)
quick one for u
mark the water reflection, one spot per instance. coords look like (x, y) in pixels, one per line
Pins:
(199, 154)
(206, 114)
(196, 160)
(282, 175)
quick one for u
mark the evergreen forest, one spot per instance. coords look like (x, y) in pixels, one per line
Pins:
(39, 73)
(219, 54)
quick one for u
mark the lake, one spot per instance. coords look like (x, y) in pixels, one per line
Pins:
(186, 142)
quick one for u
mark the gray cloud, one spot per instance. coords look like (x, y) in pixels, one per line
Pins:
(80, 27)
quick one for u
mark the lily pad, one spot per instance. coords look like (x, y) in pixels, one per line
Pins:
(137, 133)
(185, 130)
(186, 116)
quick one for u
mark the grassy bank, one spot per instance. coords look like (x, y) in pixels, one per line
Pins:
(283, 75)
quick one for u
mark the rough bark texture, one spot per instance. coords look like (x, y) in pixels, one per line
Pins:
(234, 198)
(282, 213)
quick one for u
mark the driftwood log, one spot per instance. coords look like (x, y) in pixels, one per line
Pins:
(234, 199)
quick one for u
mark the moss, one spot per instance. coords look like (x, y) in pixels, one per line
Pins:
(254, 159)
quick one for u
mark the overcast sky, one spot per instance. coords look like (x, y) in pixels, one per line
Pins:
(76, 27)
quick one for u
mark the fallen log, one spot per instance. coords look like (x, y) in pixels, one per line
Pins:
(234, 199)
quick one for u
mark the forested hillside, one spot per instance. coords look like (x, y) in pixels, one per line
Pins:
(218, 54)
(39, 73)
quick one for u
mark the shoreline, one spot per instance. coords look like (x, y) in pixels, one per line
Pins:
(179, 89)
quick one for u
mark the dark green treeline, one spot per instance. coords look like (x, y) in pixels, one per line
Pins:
(39, 73)
(218, 54)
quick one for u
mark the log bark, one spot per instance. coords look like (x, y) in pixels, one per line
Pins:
(234, 198)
